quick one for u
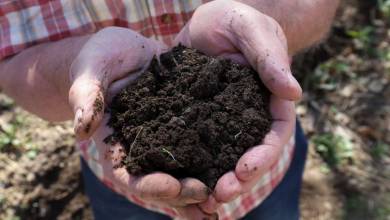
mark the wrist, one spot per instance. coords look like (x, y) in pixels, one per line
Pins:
(71, 48)
(37, 78)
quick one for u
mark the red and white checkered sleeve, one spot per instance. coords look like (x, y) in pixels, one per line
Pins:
(24, 23)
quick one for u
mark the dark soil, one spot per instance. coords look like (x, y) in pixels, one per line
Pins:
(190, 116)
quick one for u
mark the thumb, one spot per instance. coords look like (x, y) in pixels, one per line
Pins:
(86, 96)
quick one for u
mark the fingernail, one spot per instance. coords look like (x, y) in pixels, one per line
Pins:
(78, 120)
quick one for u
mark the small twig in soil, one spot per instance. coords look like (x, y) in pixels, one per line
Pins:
(171, 155)
(174, 60)
(238, 134)
(135, 139)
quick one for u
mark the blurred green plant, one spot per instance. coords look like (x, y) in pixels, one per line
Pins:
(13, 218)
(2, 198)
(32, 153)
(363, 34)
(9, 139)
(6, 103)
(356, 204)
(384, 7)
(359, 206)
(328, 75)
(364, 39)
(8, 136)
(384, 54)
(334, 149)
(324, 168)
(379, 150)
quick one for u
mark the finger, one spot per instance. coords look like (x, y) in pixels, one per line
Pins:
(87, 98)
(192, 191)
(259, 159)
(210, 205)
(155, 186)
(228, 188)
(256, 162)
(262, 41)
(192, 212)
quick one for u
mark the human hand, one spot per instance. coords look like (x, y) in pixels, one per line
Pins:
(111, 59)
(238, 32)
(156, 188)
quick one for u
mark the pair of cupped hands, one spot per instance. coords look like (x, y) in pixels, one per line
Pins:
(113, 57)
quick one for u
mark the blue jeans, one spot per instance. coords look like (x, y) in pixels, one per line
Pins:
(281, 204)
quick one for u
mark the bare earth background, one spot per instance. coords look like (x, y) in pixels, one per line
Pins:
(345, 113)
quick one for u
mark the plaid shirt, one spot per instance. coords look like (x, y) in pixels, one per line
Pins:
(24, 23)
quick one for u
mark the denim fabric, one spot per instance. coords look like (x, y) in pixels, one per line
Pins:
(283, 202)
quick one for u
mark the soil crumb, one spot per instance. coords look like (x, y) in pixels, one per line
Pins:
(190, 115)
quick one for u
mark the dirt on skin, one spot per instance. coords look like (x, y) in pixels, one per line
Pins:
(190, 115)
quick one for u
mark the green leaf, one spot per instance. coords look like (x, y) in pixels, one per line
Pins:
(334, 149)
(32, 154)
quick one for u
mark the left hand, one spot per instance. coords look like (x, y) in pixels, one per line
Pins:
(241, 33)
(108, 61)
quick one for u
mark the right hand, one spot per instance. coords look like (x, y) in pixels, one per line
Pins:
(108, 61)
(236, 31)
